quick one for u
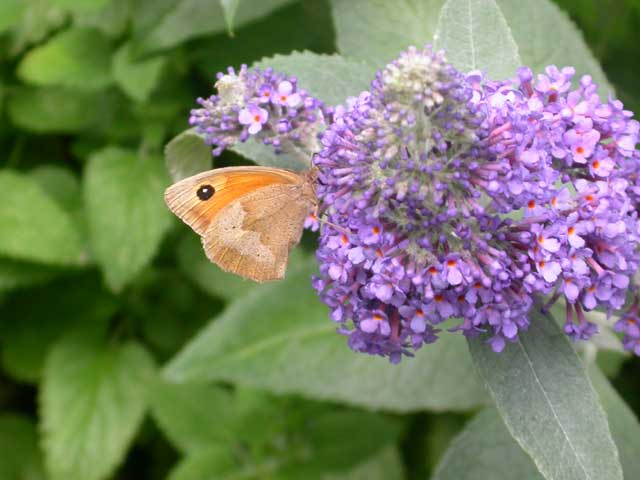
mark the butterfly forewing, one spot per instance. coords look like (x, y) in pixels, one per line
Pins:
(227, 184)
(253, 236)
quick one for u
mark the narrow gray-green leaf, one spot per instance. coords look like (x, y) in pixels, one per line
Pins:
(548, 403)
(331, 78)
(77, 58)
(262, 154)
(292, 347)
(137, 78)
(622, 421)
(186, 155)
(229, 7)
(32, 225)
(546, 36)
(192, 18)
(487, 438)
(485, 450)
(476, 36)
(93, 399)
(127, 216)
(378, 30)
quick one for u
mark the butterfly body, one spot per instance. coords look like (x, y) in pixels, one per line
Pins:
(249, 218)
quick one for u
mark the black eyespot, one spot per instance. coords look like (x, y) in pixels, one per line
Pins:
(205, 192)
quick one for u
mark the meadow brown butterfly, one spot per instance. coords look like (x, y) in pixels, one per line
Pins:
(249, 218)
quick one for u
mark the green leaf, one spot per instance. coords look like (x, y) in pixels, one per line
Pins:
(331, 78)
(18, 434)
(208, 277)
(112, 19)
(548, 404)
(77, 58)
(11, 12)
(213, 462)
(30, 328)
(476, 36)
(262, 154)
(485, 450)
(546, 36)
(39, 18)
(487, 438)
(186, 155)
(61, 185)
(127, 217)
(193, 18)
(387, 465)
(33, 227)
(92, 401)
(229, 8)
(136, 78)
(16, 274)
(193, 416)
(59, 110)
(279, 338)
(80, 4)
(622, 421)
(378, 30)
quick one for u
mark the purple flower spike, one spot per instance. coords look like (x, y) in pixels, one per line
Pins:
(450, 197)
(260, 104)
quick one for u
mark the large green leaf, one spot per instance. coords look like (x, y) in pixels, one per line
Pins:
(32, 225)
(475, 35)
(80, 4)
(77, 58)
(193, 416)
(622, 421)
(485, 450)
(279, 338)
(92, 401)
(378, 30)
(18, 435)
(30, 328)
(548, 403)
(59, 110)
(546, 36)
(127, 217)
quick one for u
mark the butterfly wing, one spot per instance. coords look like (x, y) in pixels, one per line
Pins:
(252, 236)
(227, 184)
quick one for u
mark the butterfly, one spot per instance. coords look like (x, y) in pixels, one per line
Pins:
(248, 218)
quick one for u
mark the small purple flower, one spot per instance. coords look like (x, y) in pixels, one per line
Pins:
(285, 95)
(253, 116)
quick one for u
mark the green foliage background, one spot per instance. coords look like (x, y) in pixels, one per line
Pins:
(124, 354)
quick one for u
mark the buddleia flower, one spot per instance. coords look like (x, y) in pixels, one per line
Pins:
(451, 198)
(266, 105)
